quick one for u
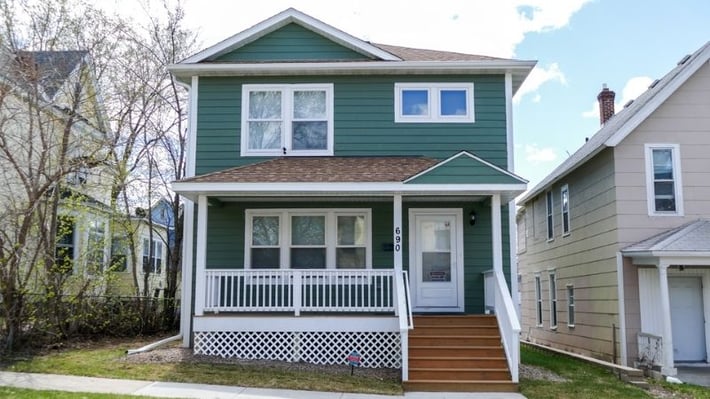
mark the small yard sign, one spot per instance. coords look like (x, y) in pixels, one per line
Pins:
(354, 359)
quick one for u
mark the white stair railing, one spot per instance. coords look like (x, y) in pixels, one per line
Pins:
(508, 324)
(406, 321)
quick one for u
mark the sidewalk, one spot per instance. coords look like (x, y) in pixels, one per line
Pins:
(180, 390)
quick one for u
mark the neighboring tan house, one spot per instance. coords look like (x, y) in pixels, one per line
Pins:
(328, 175)
(614, 250)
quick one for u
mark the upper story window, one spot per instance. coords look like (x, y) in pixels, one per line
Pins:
(548, 209)
(564, 199)
(433, 102)
(663, 179)
(308, 239)
(287, 119)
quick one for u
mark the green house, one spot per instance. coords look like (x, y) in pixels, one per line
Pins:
(344, 195)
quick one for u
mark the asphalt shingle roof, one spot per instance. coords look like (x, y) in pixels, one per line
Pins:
(417, 54)
(53, 68)
(321, 170)
(690, 237)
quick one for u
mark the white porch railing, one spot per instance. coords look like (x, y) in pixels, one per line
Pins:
(299, 290)
(507, 320)
(406, 322)
(650, 350)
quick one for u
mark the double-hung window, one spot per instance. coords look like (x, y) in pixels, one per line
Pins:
(553, 300)
(663, 179)
(570, 305)
(64, 250)
(550, 221)
(434, 102)
(308, 239)
(564, 200)
(96, 244)
(287, 119)
(152, 256)
(538, 301)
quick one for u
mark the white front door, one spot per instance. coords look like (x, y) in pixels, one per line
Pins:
(436, 260)
(687, 319)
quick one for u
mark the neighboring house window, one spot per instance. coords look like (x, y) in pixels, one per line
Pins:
(64, 251)
(564, 199)
(433, 102)
(152, 255)
(308, 239)
(287, 119)
(96, 247)
(570, 305)
(553, 301)
(538, 301)
(119, 257)
(548, 209)
(522, 233)
(663, 179)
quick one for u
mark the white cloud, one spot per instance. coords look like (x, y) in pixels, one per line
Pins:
(536, 155)
(492, 28)
(633, 88)
(537, 78)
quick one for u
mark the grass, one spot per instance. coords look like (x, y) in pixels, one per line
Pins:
(107, 362)
(19, 393)
(585, 381)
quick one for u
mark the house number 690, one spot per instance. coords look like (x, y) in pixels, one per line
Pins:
(397, 239)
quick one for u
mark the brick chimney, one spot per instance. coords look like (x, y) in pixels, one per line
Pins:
(606, 104)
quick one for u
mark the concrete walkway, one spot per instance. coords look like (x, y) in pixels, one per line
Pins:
(57, 382)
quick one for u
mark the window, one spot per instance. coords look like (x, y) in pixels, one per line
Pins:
(433, 102)
(570, 305)
(663, 183)
(286, 119)
(538, 302)
(553, 301)
(64, 251)
(564, 199)
(119, 254)
(548, 208)
(96, 244)
(152, 256)
(308, 239)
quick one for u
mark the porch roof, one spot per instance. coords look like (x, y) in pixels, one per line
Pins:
(362, 176)
(691, 239)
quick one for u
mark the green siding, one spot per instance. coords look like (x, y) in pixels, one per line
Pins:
(225, 240)
(364, 120)
(291, 43)
(465, 170)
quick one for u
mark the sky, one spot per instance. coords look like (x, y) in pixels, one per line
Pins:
(579, 45)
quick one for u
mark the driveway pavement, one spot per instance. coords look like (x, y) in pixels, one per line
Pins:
(181, 390)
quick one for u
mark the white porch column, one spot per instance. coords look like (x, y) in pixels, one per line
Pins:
(397, 238)
(201, 255)
(496, 233)
(667, 368)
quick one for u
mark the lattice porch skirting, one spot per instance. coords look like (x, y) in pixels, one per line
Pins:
(378, 349)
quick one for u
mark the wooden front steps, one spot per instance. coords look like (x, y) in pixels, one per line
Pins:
(457, 353)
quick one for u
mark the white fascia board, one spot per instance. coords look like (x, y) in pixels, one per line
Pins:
(319, 188)
(351, 67)
(284, 18)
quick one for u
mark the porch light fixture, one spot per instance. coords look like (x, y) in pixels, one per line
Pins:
(472, 218)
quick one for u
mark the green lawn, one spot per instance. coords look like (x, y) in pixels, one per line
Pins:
(18, 393)
(585, 381)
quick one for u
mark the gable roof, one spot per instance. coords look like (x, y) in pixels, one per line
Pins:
(628, 119)
(379, 58)
(290, 15)
(50, 68)
(690, 237)
(465, 168)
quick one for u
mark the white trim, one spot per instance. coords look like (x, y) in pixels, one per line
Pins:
(434, 102)
(397, 232)
(565, 189)
(622, 307)
(302, 323)
(650, 179)
(287, 119)
(414, 272)
(496, 233)
(571, 306)
(537, 282)
(201, 255)
(281, 19)
(668, 359)
(192, 128)
(331, 226)
(474, 157)
(509, 120)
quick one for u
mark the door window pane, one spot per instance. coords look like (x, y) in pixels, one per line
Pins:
(436, 236)
(415, 102)
(453, 102)
(436, 266)
(308, 230)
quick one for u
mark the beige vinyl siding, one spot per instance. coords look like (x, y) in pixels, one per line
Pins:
(682, 119)
(586, 258)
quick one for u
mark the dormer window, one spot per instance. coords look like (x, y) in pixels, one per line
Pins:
(433, 102)
(287, 119)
